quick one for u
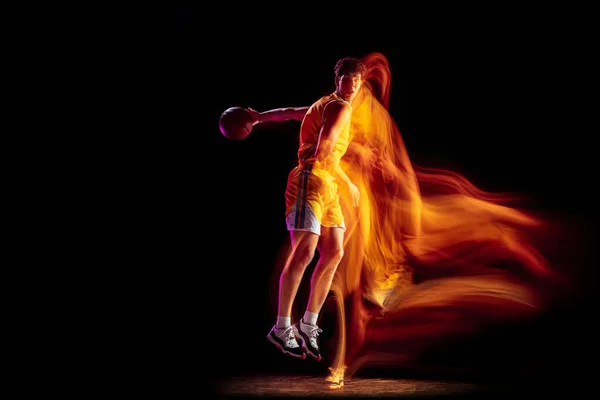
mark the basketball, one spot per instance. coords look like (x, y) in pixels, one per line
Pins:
(235, 123)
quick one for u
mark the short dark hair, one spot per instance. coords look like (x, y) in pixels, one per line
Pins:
(349, 65)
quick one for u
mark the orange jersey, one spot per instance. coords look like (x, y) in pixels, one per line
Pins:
(311, 195)
(310, 129)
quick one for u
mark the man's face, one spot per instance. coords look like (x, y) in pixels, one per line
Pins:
(348, 85)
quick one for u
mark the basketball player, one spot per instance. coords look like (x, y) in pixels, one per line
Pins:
(313, 213)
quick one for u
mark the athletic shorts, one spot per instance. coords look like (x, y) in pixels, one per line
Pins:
(312, 200)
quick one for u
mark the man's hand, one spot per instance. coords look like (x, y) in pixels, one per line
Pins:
(255, 116)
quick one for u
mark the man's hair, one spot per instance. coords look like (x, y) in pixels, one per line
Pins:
(348, 66)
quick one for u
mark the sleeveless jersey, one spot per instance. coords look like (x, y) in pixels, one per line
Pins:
(310, 129)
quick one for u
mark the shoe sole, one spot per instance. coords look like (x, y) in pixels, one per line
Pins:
(307, 351)
(284, 351)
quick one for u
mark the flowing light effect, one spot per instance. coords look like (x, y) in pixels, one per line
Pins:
(427, 254)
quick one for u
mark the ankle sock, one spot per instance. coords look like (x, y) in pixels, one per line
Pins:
(310, 318)
(283, 322)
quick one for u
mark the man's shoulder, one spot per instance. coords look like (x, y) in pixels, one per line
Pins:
(322, 99)
(326, 99)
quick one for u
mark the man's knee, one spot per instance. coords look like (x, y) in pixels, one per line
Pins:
(334, 254)
(303, 255)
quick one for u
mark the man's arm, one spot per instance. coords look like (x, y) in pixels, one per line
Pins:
(278, 114)
(336, 117)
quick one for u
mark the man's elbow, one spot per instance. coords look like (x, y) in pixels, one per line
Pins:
(299, 113)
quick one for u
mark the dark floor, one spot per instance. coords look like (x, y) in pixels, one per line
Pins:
(315, 386)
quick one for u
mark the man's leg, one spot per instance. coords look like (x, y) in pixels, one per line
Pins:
(304, 245)
(303, 249)
(331, 251)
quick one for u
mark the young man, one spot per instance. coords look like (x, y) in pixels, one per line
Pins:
(313, 212)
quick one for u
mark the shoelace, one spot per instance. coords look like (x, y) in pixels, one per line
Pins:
(289, 337)
(289, 333)
(314, 332)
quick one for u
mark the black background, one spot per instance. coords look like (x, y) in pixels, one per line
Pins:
(494, 97)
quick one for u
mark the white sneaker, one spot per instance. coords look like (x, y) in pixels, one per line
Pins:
(286, 342)
(309, 335)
